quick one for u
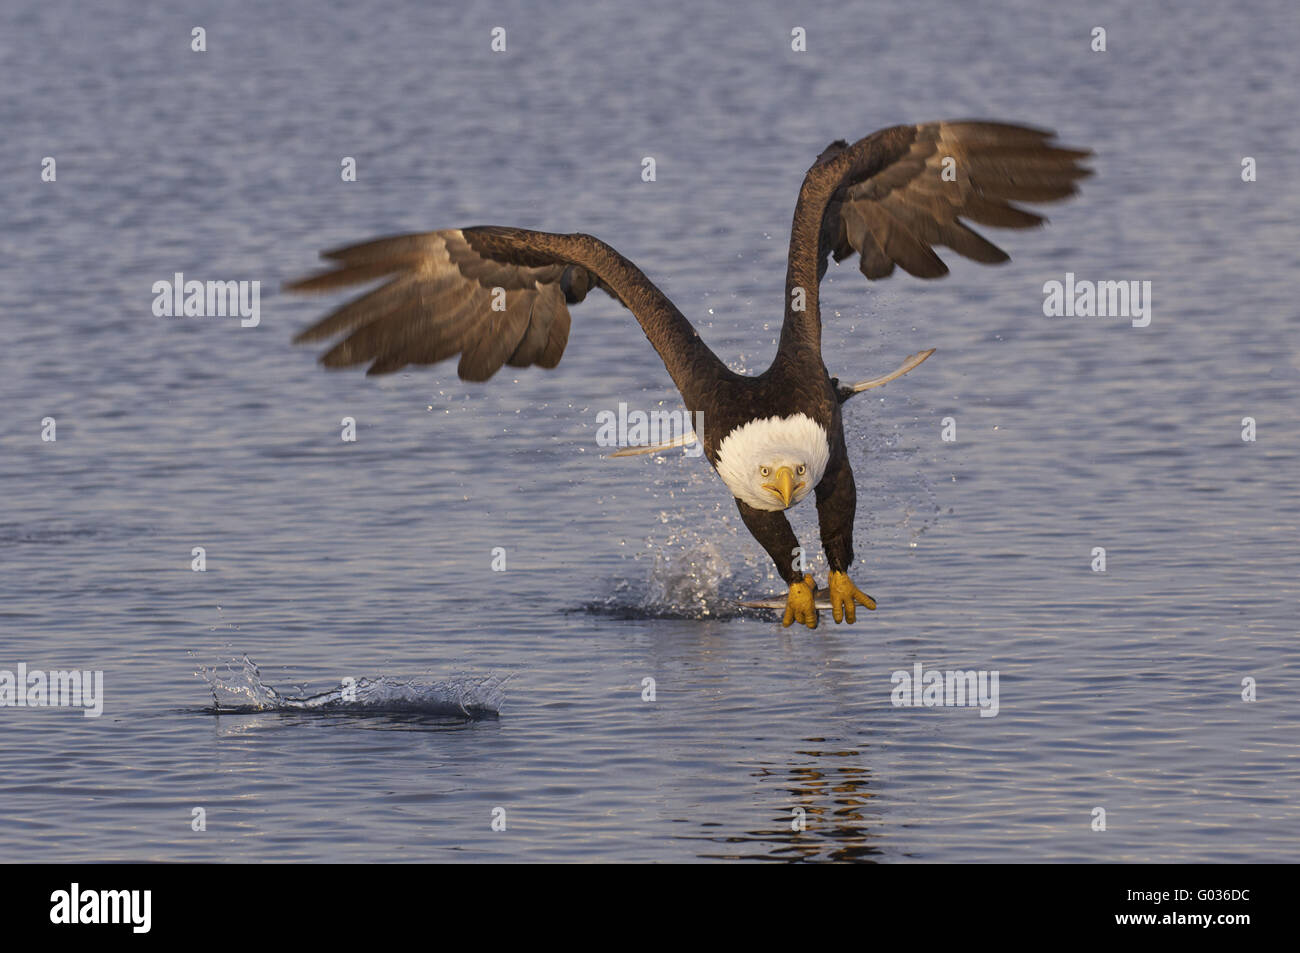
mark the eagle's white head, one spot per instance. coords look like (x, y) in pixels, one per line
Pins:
(773, 463)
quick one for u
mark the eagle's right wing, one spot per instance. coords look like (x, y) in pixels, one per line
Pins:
(494, 296)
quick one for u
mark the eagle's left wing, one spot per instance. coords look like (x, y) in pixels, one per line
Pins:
(896, 194)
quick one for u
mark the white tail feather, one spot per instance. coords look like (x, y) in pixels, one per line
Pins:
(681, 441)
(907, 365)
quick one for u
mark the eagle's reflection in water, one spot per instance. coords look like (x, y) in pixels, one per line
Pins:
(827, 815)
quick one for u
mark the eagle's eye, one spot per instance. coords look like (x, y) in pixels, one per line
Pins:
(802, 470)
(765, 471)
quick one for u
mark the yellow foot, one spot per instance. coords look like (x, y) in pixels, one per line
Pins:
(801, 606)
(843, 594)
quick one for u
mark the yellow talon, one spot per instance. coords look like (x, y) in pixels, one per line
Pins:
(800, 606)
(843, 594)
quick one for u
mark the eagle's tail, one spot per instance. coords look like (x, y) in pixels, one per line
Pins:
(845, 391)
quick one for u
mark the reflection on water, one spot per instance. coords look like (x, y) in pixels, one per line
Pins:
(828, 816)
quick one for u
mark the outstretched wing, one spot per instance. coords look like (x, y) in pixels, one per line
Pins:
(493, 295)
(895, 195)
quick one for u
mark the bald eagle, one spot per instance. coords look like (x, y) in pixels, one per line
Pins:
(496, 295)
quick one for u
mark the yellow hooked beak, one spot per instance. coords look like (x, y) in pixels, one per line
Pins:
(783, 485)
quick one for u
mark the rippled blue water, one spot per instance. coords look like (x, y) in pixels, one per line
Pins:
(328, 561)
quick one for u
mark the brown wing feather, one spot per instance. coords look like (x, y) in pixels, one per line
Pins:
(887, 198)
(541, 315)
(441, 288)
(992, 165)
(439, 304)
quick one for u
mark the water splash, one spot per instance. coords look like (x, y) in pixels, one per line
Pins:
(696, 565)
(239, 688)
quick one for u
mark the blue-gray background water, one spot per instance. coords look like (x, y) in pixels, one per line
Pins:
(329, 560)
